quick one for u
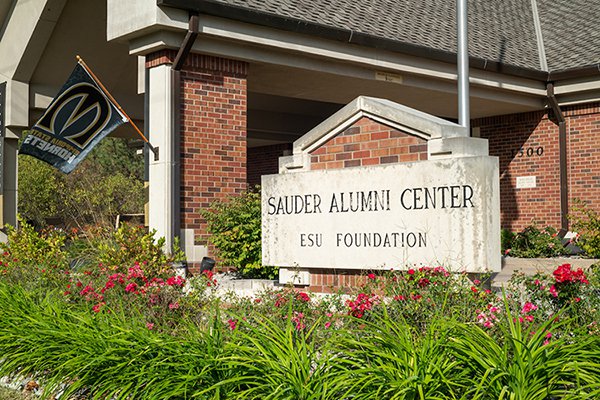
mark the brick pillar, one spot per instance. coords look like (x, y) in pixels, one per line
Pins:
(212, 133)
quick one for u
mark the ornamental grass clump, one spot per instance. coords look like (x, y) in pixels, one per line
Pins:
(392, 359)
(270, 361)
(127, 332)
(72, 350)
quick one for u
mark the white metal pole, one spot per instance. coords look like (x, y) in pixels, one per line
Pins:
(463, 64)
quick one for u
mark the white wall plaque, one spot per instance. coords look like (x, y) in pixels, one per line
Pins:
(443, 212)
(526, 182)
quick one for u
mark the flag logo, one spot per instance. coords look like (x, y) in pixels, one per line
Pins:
(77, 119)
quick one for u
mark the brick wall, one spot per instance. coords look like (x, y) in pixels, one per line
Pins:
(329, 280)
(264, 160)
(368, 142)
(212, 132)
(527, 145)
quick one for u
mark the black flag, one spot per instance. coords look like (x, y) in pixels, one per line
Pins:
(77, 119)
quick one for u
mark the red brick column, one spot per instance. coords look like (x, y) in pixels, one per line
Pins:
(213, 95)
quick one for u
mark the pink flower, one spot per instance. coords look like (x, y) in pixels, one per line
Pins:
(371, 276)
(173, 306)
(553, 291)
(149, 325)
(528, 307)
(327, 325)
(297, 319)
(529, 318)
(232, 323)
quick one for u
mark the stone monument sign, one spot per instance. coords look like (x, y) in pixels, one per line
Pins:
(443, 210)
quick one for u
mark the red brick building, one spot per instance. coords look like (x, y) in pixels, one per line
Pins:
(224, 87)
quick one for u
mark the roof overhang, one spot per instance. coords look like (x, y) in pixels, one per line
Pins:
(247, 15)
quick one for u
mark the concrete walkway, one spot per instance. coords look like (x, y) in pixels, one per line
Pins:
(531, 266)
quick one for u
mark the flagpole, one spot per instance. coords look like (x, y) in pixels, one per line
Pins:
(107, 93)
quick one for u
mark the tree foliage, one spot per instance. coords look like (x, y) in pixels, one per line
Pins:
(107, 183)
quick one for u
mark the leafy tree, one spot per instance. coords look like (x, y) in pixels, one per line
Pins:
(107, 183)
(38, 197)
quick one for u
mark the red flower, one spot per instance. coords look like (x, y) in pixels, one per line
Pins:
(303, 297)
(175, 280)
(98, 307)
(527, 307)
(563, 273)
(362, 303)
(371, 276)
(423, 282)
(131, 287)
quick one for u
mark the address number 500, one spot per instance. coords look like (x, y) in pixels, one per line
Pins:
(528, 152)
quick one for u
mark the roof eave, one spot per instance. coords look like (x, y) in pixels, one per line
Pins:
(573, 73)
(242, 14)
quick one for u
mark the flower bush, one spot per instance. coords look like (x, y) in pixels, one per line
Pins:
(533, 242)
(131, 329)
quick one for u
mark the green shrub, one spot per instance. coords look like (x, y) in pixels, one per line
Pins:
(532, 242)
(506, 239)
(587, 223)
(37, 259)
(235, 230)
(132, 244)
